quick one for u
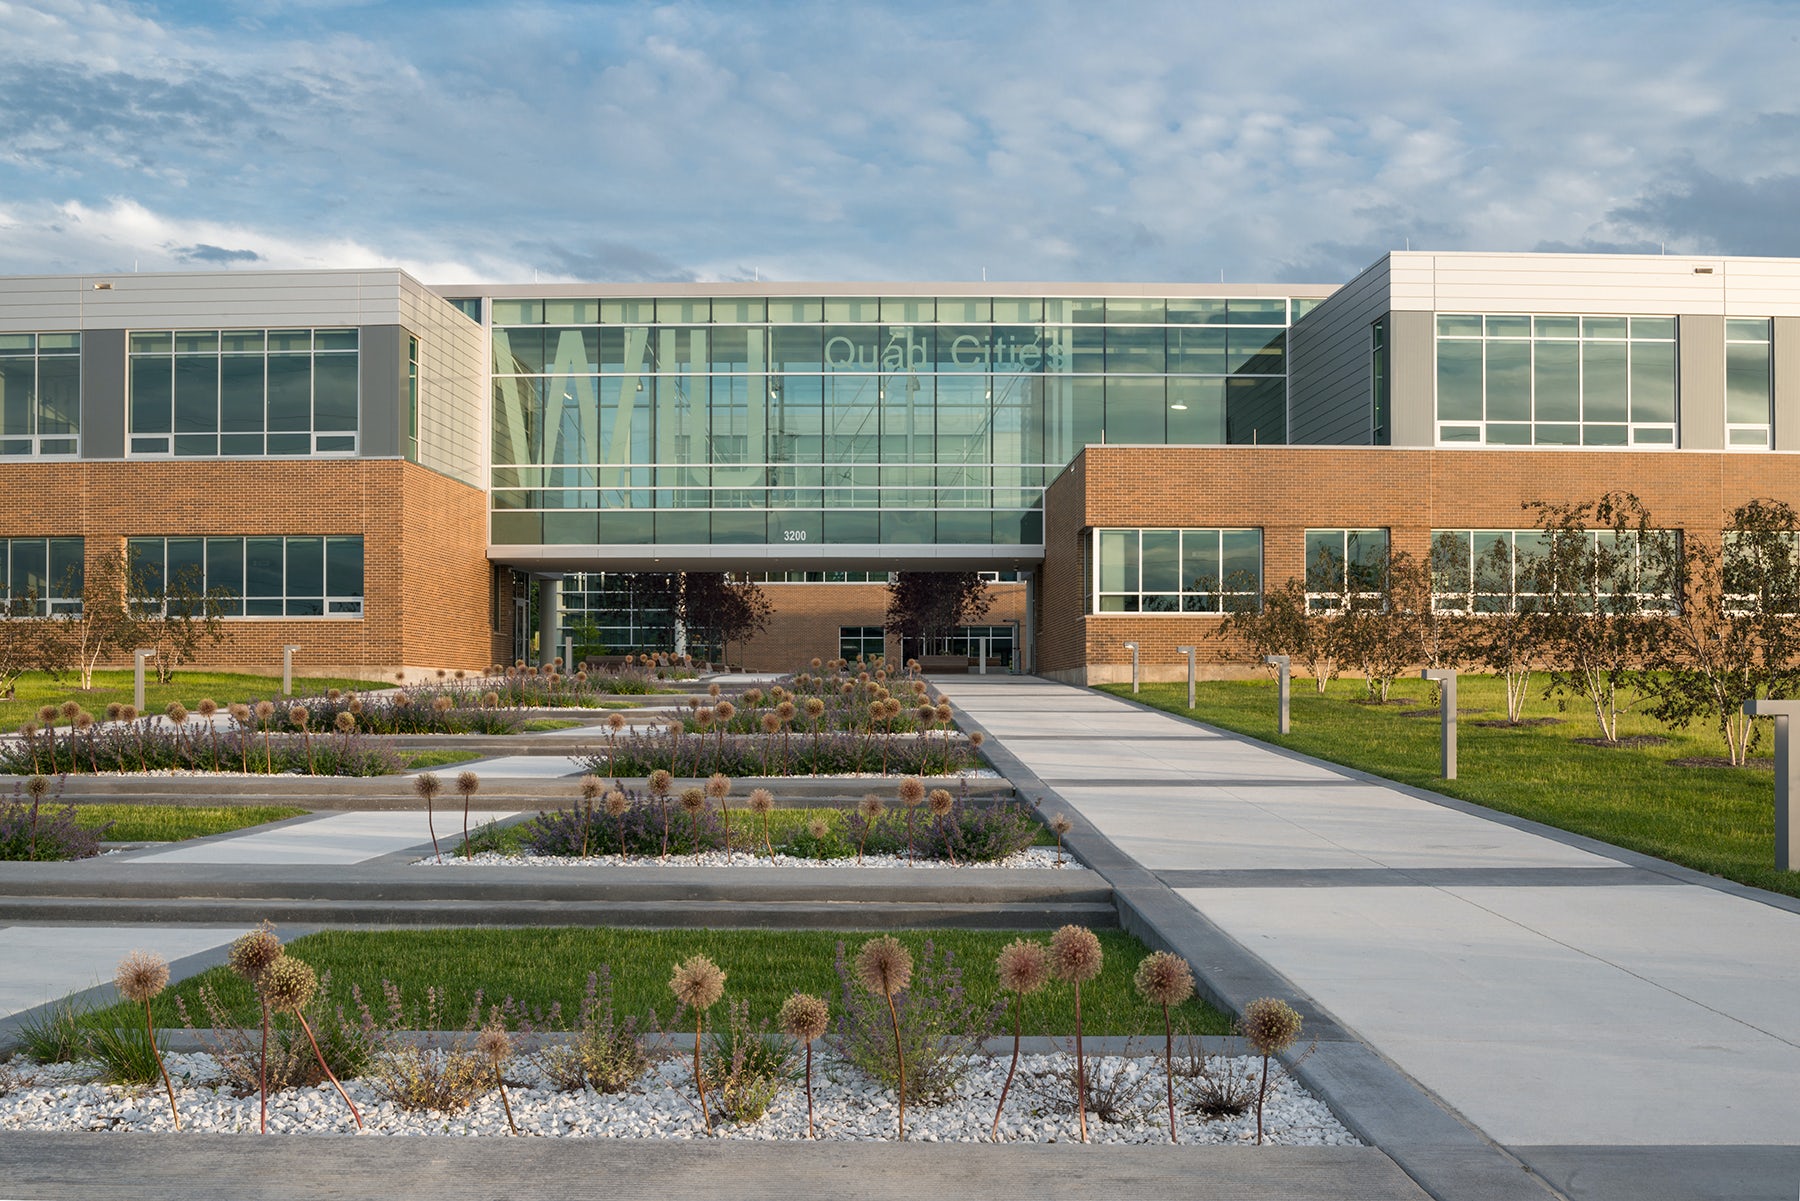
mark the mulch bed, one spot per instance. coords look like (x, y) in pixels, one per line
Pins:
(1629, 742)
(1521, 724)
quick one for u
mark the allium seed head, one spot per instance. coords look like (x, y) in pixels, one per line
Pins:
(941, 802)
(1060, 824)
(871, 807)
(46, 713)
(912, 791)
(1023, 966)
(493, 1043)
(817, 827)
(37, 787)
(661, 782)
(944, 712)
(490, 699)
(112, 711)
(617, 804)
(129, 712)
(725, 710)
(332, 694)
(141, 975)
(712, 690)
(1074, 955)
(239, 711)
(468, 783)
(176, 712)
(693, 799)
(976, 739)
(289, 984)
(615, 722)
(441, 704)
(815, 708)
(84, 720)
(298, 716)
(427, 785)
(770, 723)
(591, 787)
(346, 721)
(884, 966)
(762, 801)
(718, 785)
(698, 983)
(786, 711)
(1164, 979)
(207, 706)
(252, 953)
(265, 710)
(70, 709)
(925, 714)
(804, 1017)
(1269, 1026)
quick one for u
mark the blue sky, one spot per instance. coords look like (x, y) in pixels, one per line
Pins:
(1135, 140)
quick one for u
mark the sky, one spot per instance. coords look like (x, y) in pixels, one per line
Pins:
(1135, 140)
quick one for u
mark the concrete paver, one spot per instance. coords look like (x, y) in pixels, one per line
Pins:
(354, 837)
(42, 963)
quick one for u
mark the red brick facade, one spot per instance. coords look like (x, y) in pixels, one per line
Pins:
(424, 548)
(807, 618)
(1284, 491)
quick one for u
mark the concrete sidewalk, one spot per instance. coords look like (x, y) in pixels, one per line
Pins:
(1612, 1024)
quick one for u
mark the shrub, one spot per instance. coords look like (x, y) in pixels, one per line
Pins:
(940, 1027)
(426, 1074)
(747, 1067)
(1117, 1087)
(141, 746)
(346, 1043)
(566, 831)
(606, 1055)
(977, 833)
(30, 830)
(58, 1034)
(1213, 1087)
(125, 1053)
(746, 755)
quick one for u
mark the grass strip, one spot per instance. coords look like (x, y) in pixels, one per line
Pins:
(539, 966)
(172, 823)
(421, 760)
(1719, 820)
(35, 689)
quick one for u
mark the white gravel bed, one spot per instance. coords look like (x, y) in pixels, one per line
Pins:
(1030, 857)
(663, 1105)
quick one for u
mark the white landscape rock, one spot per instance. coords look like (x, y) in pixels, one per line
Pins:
(663, 1105)
(1030, 857)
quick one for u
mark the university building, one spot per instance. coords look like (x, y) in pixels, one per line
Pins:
(395, 476)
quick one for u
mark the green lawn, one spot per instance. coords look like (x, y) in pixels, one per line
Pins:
(1718, 820)
(426, 760)
(544, 725)
(171, 823)
(36, 689)
(538, 966)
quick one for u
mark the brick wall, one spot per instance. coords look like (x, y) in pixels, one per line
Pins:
(807, 618)
(1285, 491)
(424, 548)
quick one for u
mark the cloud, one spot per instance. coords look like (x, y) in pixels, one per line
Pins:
(872, 140)
(204, 253)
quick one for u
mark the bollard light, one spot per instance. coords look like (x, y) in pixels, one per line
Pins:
(1787, 832)
(139, 657)
(1280, 664)
(1189, 652)
(287, 670)
(1133, 648)
(1447, 717)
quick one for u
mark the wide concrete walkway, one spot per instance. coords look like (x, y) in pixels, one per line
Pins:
(1557, 997)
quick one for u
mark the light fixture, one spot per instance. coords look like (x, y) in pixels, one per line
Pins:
(102, 286)
(1178, 407)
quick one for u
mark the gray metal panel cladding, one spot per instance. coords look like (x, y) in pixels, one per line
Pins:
(1702, 374)
(1787, 383)
(382, 373)
(103, 394)
(1329, 381)
(1412, 355)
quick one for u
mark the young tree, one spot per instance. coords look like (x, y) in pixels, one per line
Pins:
(104, 623)
(1284, 625)
(728, 608)
(1501, 636)
(29, 641)
(923, 603)
(1383, 631)
(1737, 636)
(1606, 583)
(173, 617)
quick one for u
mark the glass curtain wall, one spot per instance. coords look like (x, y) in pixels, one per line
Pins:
(243, 392)
(852, 420)
(40, 394)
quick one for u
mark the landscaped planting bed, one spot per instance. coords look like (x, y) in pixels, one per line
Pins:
(765, 1036)
(36, 826)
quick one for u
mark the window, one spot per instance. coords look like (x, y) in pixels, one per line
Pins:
(41, 575)
(861, 642)
(1501, 571)
(1177, 571)
(966, 641)
(1344, 563)
(1749, 384)
(40, 394)
(243, 392)
(1521, 380)
(267, 576)
(412, 399)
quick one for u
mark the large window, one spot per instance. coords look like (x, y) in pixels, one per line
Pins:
(1520, 380)
(1500, 571)
(1380, 383)
(41, 575)
(1749, 384)
(861, 642)
(1177, 571)
(297, 576)
(852, 419)
(1342, 564)
(40, 394)
(244, 392)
